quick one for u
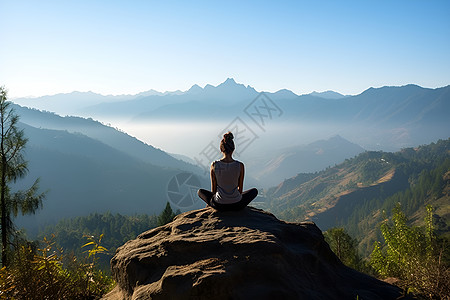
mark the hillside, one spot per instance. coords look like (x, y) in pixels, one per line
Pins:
(109, 136)
(82, 175)
(272, 168)
(354, 193)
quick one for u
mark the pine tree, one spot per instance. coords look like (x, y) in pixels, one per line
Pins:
(12, 167)
(344, 246)
(166, 216)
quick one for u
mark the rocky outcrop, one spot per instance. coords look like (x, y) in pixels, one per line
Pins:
(250, 254)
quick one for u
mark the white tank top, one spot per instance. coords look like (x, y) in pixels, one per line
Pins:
(227, 177)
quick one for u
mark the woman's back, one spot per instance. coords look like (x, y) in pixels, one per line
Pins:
(227, 176)
(227, 181)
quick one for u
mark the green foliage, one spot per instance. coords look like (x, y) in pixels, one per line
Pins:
(41, 274)
(112, 230)
(115, 230)
(418, 179)
(49, 273)
(344, 246)
(12, 167)
(96, 247)
(413, 255)
(166, 216)
(372, 169)
(428, 183)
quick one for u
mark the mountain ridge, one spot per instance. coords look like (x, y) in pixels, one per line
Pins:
(82, 175)
(328, 95)
(390, 116)
(103, 133)
(272, 169)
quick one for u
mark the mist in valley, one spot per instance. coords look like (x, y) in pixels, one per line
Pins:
(156, 137)
(256, 147)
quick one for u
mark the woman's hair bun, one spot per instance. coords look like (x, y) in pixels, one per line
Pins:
(227, 144)
(228, 136)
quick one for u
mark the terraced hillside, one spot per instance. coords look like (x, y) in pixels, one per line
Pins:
(355, 194)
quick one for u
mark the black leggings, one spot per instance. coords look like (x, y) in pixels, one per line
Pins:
(247, 197)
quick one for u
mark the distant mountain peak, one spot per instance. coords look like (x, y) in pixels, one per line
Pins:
(229, 81)
(195, 89)
(151, 92)
(327, 95)
(286, 93)
(407, 87)
(337, 137)
(228, 89)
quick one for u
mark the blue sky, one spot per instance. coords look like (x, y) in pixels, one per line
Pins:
(126, 47)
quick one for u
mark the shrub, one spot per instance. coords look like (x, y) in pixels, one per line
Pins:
(41, 274)
(413, 255)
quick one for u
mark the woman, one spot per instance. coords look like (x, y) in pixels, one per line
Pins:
(227, 181)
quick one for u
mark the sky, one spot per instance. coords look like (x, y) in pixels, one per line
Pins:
(127, 47)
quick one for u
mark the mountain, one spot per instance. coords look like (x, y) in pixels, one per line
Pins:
(283, 94)
(229, 90)
(354, 194)
(288, 162)
(405, 105)
(398, 105)
(227, 93)
(327, 95)
(69, 103)
(105, 134)
(82, 175)
(75, 102)
(90, 167)
(386, 118)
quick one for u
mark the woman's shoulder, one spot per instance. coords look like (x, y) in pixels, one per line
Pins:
(237, 162)
(215, 163)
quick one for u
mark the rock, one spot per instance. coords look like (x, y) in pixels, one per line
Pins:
(249, 254)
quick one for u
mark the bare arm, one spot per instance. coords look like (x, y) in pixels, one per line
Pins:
(241, 179)
(213, 180)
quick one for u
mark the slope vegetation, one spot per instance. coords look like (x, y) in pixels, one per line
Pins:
(355, 194)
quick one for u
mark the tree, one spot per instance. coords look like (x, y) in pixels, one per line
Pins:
(166, 216)
(344, 246)
(12, 167)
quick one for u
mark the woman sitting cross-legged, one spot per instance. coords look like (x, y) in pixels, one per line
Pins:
(227, 181)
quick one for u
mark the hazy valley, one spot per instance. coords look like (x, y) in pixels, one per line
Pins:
(87, 166)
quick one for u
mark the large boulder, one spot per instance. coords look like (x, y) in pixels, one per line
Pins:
(250, 254)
